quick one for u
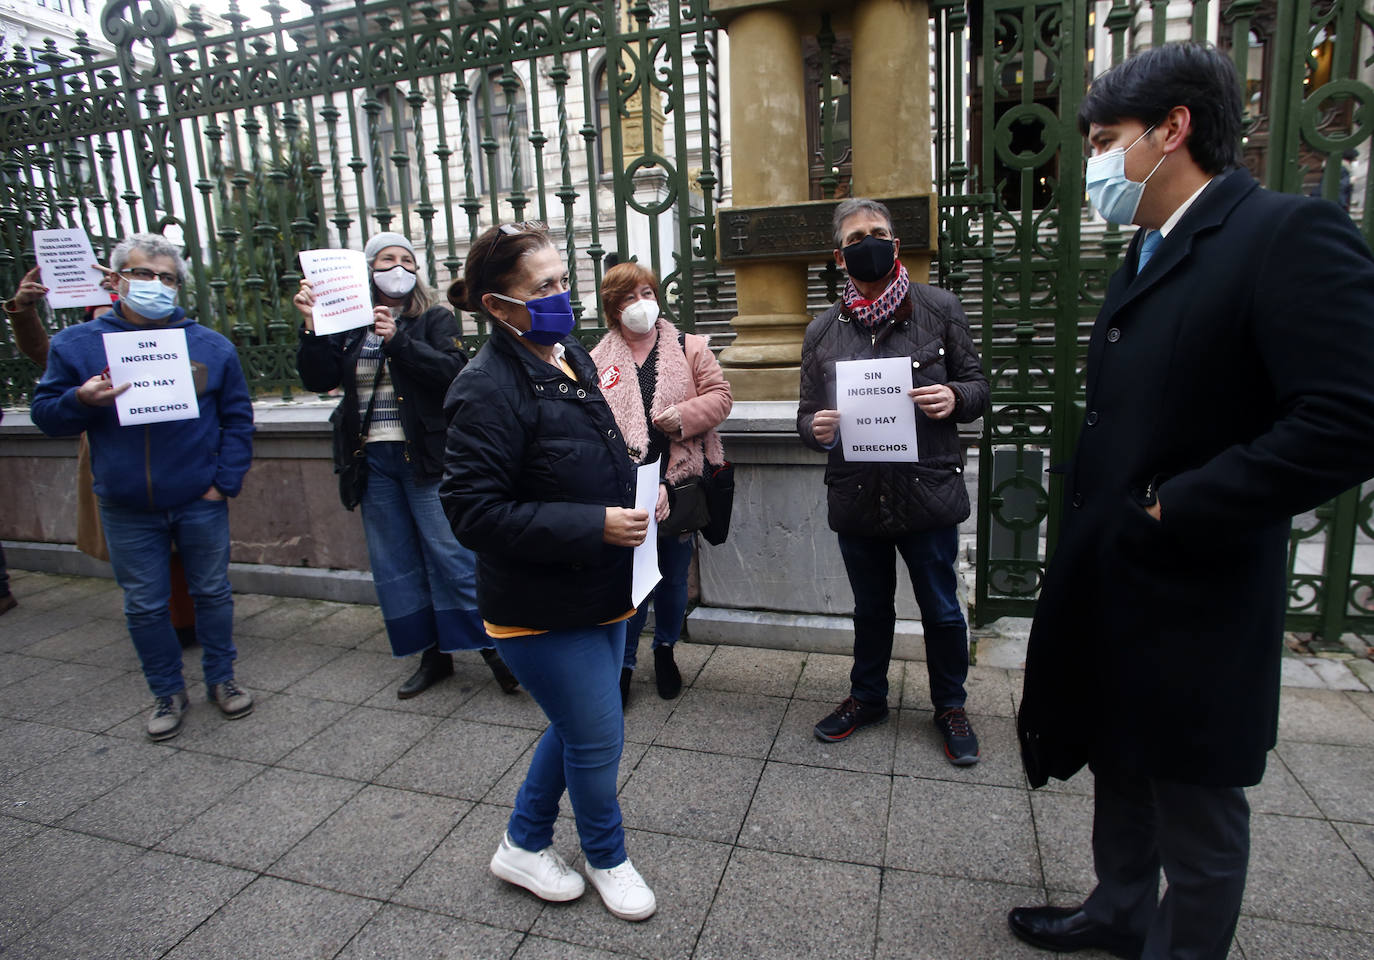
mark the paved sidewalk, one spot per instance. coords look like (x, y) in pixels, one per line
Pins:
(338, 821)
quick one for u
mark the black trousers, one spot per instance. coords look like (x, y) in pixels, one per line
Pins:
(871, 563)
(1200, 836)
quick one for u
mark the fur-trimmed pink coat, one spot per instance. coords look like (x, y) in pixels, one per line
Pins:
(689, 379)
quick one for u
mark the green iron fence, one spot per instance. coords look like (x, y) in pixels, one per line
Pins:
(438, 118)
(434, 119)
(1020, 246)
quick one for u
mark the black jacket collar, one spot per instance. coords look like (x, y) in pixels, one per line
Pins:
(1208, 212)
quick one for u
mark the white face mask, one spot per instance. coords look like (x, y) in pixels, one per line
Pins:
(395, 282)
(640, 316)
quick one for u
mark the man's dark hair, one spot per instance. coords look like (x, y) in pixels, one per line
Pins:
(1151, 83)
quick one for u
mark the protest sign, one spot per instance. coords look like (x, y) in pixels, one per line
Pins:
(877, 417)
(158, 365)
(343, 293)
(65, 263)
(646, 575)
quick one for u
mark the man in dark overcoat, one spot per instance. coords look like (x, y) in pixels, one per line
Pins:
(1230, 385)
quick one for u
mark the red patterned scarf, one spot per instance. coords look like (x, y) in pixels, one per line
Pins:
(872, 313)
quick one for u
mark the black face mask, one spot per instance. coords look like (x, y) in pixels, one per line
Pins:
(870, 259)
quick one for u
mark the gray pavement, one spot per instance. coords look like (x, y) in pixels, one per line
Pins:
(338, 821)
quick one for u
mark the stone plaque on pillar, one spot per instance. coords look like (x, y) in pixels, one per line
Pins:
(802, 231)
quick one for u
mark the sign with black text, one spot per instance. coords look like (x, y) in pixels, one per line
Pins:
(877, 414)
(343, 292)
(158, 365)
(66, 266)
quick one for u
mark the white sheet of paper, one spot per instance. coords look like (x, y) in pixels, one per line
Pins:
(877, 418)
(159, 366)
(65, 258)
(343, 293)
(646, 574)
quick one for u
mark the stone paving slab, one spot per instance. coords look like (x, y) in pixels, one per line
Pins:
(339, 822)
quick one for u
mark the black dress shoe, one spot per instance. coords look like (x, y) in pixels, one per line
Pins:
(1066, 929)
(504, 678)
(434, 666)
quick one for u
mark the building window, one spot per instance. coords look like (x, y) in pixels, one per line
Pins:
(491, 120)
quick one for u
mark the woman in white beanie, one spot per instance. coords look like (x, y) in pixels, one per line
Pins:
(394, 376)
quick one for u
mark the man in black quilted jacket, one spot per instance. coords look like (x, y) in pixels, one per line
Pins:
(878, 508)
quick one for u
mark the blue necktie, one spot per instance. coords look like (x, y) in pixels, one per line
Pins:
(1147, 249)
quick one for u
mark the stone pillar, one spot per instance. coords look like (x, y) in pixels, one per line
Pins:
(890, 103)
(768, 120)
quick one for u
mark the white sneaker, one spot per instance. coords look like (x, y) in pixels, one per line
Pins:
(624, 891)
(544, 874)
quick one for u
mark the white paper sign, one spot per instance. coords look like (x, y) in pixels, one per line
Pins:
(646, 575)
(65, 260)
(877, 418)
(343, 295)
(158, 365)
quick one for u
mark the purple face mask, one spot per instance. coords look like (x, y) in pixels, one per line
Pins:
(551, 317)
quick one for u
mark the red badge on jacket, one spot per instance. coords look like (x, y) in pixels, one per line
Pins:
(610, 377)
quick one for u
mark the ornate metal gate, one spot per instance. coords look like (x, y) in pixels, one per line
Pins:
(1014, 221)
(432, 119)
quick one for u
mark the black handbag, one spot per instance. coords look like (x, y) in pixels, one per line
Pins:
(719, 483)
(351, 465)
(689, 511)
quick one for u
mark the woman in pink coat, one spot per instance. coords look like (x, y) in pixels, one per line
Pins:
(668, 395)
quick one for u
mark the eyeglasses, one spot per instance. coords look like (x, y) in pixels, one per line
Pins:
(513, 230)
(142, 273)
(523, 226)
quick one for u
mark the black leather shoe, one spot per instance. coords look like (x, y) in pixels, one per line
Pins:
(434, 666)
(1066, 929)
(504, 678)
(666, 674)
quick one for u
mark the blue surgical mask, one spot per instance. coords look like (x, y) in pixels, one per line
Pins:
(151, 299)
(1112, 195)
(551, 317)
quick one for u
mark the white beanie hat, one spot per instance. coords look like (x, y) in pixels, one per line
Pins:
(381, 241)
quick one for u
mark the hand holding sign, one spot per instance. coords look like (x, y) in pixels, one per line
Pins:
(31, 289)
(936, 401)
(99, 391)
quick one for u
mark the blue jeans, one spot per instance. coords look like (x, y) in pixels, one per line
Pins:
(140, 543)
(872, 567)
(4, 575)
(669, 599)
(426, 580)
(574, 676)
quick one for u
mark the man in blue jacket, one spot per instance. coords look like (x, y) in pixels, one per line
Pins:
(160, 482)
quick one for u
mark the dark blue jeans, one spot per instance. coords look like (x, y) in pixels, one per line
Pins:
(574, 676)
(426, 580)
(140, 543)
(4, 575)
(669, 599)
(871, 563)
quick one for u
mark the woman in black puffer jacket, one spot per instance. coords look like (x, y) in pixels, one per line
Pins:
(538, 482)
(399, 369)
